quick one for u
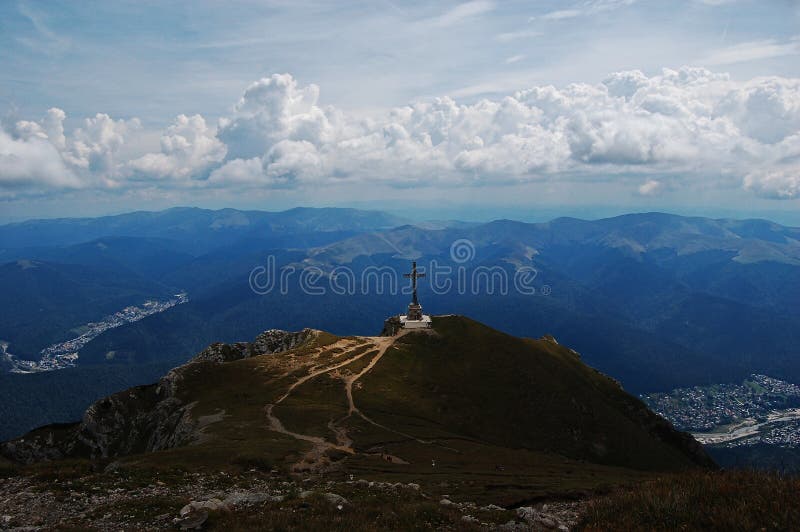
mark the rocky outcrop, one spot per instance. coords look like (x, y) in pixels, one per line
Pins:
(141, 419)
(391, 326)
(144, 418)
(268, 342)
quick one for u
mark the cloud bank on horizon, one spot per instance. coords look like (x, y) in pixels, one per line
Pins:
(665, 131)
(476, 120)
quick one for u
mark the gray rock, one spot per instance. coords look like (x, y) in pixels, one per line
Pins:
(513, 526)
(220, 352)
(538, 518)
(113, 466)
(193, 520)
(276, 341)
(335, 499)
(546, 521)
(244, 498)
(141, 419)
(268, 342)
(211, 505)
(527, 514)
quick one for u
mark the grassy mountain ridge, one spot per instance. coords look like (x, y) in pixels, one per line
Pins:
(467, 376)
(486, 409)
(647, 298)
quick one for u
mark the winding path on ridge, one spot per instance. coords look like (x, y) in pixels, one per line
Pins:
(353, 409)
(320, 445)
(315, 458)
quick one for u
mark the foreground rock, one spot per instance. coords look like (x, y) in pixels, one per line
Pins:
(115, 501)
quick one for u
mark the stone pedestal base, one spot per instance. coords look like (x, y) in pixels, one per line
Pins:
(423, 323)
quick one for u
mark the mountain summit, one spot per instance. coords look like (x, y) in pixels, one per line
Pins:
(461, 403)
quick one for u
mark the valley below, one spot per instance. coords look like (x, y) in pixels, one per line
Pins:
(761, 411)
(65, 354)
(780, 428)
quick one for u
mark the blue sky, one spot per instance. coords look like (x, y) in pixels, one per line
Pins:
(447, 106)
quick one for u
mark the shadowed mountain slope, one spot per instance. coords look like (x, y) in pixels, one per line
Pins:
(462, 403)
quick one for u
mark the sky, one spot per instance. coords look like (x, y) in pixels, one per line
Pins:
(476, 109)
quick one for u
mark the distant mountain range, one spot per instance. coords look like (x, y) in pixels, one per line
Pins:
(654, 300)
(195, 230)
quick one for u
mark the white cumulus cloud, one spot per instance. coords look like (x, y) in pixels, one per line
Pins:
(782, 183)
(651, 187)
(691, 124)
(188, 148)
(94, 146)
(32, 161)
(274, 109)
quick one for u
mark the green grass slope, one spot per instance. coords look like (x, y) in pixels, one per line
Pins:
(461, 409)
(470, 381)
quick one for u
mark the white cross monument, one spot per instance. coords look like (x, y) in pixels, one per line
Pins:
(414, 319)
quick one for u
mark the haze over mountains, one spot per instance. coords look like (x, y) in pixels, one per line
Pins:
(654, 300)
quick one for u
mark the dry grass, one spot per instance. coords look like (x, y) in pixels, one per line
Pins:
(7, 468)
(734, 500)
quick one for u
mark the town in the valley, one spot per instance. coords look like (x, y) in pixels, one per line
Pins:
(761, 409)
(65, 354)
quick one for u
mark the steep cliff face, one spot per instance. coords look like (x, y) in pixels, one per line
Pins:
(271, 341)
(144, 418)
